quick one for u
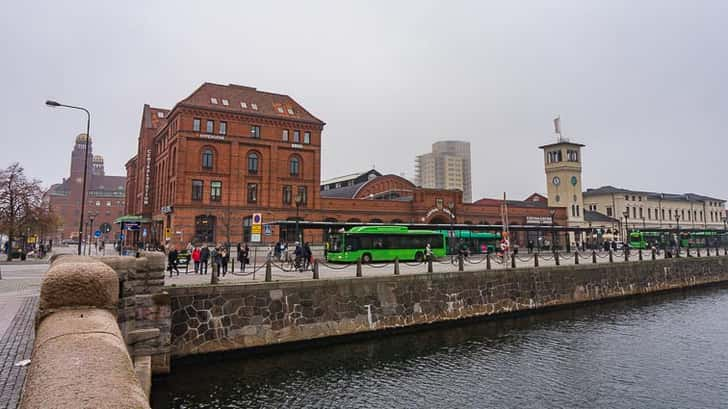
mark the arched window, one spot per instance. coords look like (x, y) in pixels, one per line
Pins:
(295, 166)
(207, 158)
(375, 221)
(253, 163)
(396, 221)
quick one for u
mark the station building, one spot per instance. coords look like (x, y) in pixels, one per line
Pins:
(227, 152)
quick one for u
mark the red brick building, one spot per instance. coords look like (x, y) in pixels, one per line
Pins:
(106, 194)
(226, 152)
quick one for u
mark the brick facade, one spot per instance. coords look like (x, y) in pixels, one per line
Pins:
(106, 194)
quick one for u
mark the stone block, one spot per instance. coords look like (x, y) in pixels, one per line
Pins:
(78, 284)
(140, 335)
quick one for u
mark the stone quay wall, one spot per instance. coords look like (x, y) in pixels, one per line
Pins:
(214, 318)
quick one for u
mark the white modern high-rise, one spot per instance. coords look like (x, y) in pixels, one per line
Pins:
(446, 167)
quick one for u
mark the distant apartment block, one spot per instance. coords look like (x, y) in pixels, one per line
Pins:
(446, 167)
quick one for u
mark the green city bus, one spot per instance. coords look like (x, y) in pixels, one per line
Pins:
(384, 243)
(702, 239)
(648, 239)
(474, 242)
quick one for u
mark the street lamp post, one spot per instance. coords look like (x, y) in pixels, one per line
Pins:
(91, 218)
(299, 202)
(451, 207)
(626, 225)
(55, 104)
(677, 219)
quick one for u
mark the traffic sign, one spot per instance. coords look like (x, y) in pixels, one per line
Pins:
(255, 237)
(121, 236)
(144, 232)
(267, 230)
(257, 218)
(97, 233)
(255, 229)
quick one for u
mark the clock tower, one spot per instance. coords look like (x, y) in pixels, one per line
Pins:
(562, 161)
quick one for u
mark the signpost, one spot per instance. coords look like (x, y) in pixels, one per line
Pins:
(257, 228)
(97, 234)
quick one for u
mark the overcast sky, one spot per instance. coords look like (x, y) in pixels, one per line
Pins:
(641, 83)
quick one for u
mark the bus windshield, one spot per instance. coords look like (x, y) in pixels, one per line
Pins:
(336, 243)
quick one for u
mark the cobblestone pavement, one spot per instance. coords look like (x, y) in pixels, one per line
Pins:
(16, 345)
(329, 271)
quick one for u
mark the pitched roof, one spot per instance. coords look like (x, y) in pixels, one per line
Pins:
(515, 203)
(592, 216)
(344, 192)
(255, 102)
(687, 197)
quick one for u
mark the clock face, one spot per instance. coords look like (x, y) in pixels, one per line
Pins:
(573, 181)
(556, 181)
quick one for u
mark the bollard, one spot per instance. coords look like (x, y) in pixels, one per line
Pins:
(654, 254)
(268, 272)
(535, 259)
(576, 257)
(594, 256)
(698, 250)
(626, 253)
(639, 254)
(429, 265)
(487, 261)
(513, 260)
(707, 252)
(315, 269)
(556, 258)
(725, 251)
(461, 263)
(214, 279)
(611, 256)
(358, 268)
(232, 266)
(396, 266)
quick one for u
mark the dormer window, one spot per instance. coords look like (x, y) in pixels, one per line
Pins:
(254, 106)
(225, 102)
(243, 105)
(160, 114)
(280, 110)
(290, 111)
(213, 101)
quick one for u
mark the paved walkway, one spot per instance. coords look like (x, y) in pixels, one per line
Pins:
(16, 345)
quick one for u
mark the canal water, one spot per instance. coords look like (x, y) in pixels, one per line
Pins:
(664, 351)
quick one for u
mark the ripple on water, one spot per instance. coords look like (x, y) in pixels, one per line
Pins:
(664, 351)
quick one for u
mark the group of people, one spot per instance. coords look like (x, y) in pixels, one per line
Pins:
(303, 256)
(218, 257)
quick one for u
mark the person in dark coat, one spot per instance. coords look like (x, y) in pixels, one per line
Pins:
(172, 261)
(224, 258)
(243, 257)
(306, 255)
(204, 258)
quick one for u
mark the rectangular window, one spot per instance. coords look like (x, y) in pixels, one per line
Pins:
(287, 194)
(196, 124)
(223, 127)
(210, 126)
(634, 212)
(284, 135)
(215, 191)
(307, 137)
(626, 197)
(663, 214)
(252, 193)
(296, 136)
(108, 204)
(197, 186)
(302, 195)
(641, 215)
(255, 132)
(649, 213)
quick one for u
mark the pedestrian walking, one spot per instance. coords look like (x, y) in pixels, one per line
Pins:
(204, 258)
(224, 259)
(428, 252)
(243, 257)
(307, 255)
(196, 257)
(172, 260)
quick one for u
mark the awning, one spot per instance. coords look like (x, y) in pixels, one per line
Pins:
(132, 219)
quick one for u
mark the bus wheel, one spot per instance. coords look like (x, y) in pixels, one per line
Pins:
(419, 257)
(366, 258)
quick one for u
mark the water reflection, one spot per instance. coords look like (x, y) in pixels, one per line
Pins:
(656, 352)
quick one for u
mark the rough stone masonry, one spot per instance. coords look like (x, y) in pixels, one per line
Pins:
(213, 318)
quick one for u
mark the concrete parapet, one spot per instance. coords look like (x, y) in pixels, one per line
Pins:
(80, 358)
(73, 283)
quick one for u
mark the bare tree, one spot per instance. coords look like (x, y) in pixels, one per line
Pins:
(21, 205)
